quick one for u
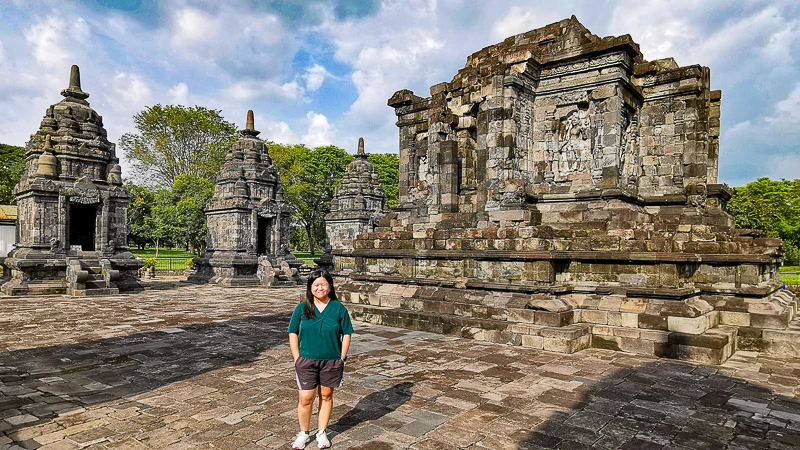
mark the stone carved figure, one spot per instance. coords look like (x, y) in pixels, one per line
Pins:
(628, 149)
(574, 152)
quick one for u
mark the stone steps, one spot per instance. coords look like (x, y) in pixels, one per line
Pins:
(509, 318)
(95, 284)
(713, 346)
(94, 292)
(770, 341)
(565, 339)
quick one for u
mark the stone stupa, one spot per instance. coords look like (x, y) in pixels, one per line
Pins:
(248, 221)
(358, 205)
(72, 207)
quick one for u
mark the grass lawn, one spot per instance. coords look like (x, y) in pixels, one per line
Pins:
(306, 257)
(180, 253)
(162, 252)
(790, 274)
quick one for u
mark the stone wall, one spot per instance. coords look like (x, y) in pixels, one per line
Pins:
(565, 171)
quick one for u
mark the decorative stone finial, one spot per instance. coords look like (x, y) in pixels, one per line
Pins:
(361, 146)
(74, 90)
(250, 127)
(46, 165)
(75, 77)
(251, 121)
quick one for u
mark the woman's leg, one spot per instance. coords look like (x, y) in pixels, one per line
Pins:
(304, 408)
(325, 406)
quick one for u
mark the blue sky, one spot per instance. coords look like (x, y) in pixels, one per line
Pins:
(320, 71)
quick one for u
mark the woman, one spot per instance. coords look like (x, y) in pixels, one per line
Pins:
(319, 338)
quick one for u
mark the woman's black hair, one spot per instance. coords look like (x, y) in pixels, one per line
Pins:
(308, 309)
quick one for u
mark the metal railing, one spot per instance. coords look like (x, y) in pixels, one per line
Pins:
(170, 263)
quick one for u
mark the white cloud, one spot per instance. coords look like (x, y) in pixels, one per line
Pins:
(779, 44)
(131, 89)
(787, 111)
(192, 27)
(315, 76)
(180, 94)
(245, 91)
(1, 52)
(52, 41)
(783, 166)
(319, 132)
(519, 20)
(279, 132)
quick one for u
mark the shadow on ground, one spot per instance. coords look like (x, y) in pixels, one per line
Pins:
(374, 406)
(64, 377)
(666, 404)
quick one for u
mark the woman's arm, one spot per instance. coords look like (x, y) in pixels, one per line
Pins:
(345, 345)
(294, 345)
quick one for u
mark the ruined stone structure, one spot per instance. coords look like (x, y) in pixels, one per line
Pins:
(561, 192)
(358, 204)
(248, 221)
(71, 224)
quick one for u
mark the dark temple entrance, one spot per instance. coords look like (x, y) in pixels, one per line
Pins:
(264, 228)
(82, 219)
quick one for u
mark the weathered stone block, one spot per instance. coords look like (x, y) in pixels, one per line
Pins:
(689, 325)
(741, 319)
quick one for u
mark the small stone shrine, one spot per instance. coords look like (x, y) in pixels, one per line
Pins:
(71, 208)
(560, 192)
(358, 204)
(248, 221)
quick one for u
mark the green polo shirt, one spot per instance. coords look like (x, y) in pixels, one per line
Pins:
(321, 338)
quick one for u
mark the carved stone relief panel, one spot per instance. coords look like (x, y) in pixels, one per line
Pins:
(574, 144)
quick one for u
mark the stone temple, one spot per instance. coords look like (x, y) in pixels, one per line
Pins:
(560, 192)
(248, 221)
(71, 224)
(358, 204)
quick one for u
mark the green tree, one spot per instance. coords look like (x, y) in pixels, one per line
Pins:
(309, 178)
(190, 195)
(772, 206)
(175, 140)
(12, 163)
(139, 207)
(387, 166)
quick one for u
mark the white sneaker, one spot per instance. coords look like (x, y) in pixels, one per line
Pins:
(322, 439)
(303, 438)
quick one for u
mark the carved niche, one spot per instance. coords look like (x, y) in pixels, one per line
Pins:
(574, 149)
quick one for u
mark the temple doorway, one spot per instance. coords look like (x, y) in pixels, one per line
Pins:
(264, 228)
(82, 220)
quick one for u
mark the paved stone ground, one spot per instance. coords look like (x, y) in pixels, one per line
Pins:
(182, 366)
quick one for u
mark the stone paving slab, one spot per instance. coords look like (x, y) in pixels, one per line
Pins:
(182, 366)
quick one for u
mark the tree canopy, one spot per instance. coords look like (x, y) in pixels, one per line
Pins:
(171, 216)
(309, 178)
(387, 166)
(175, 140)
(772, 206)
(12, 163)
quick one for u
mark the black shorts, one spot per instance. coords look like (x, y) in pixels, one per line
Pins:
(311, 373)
